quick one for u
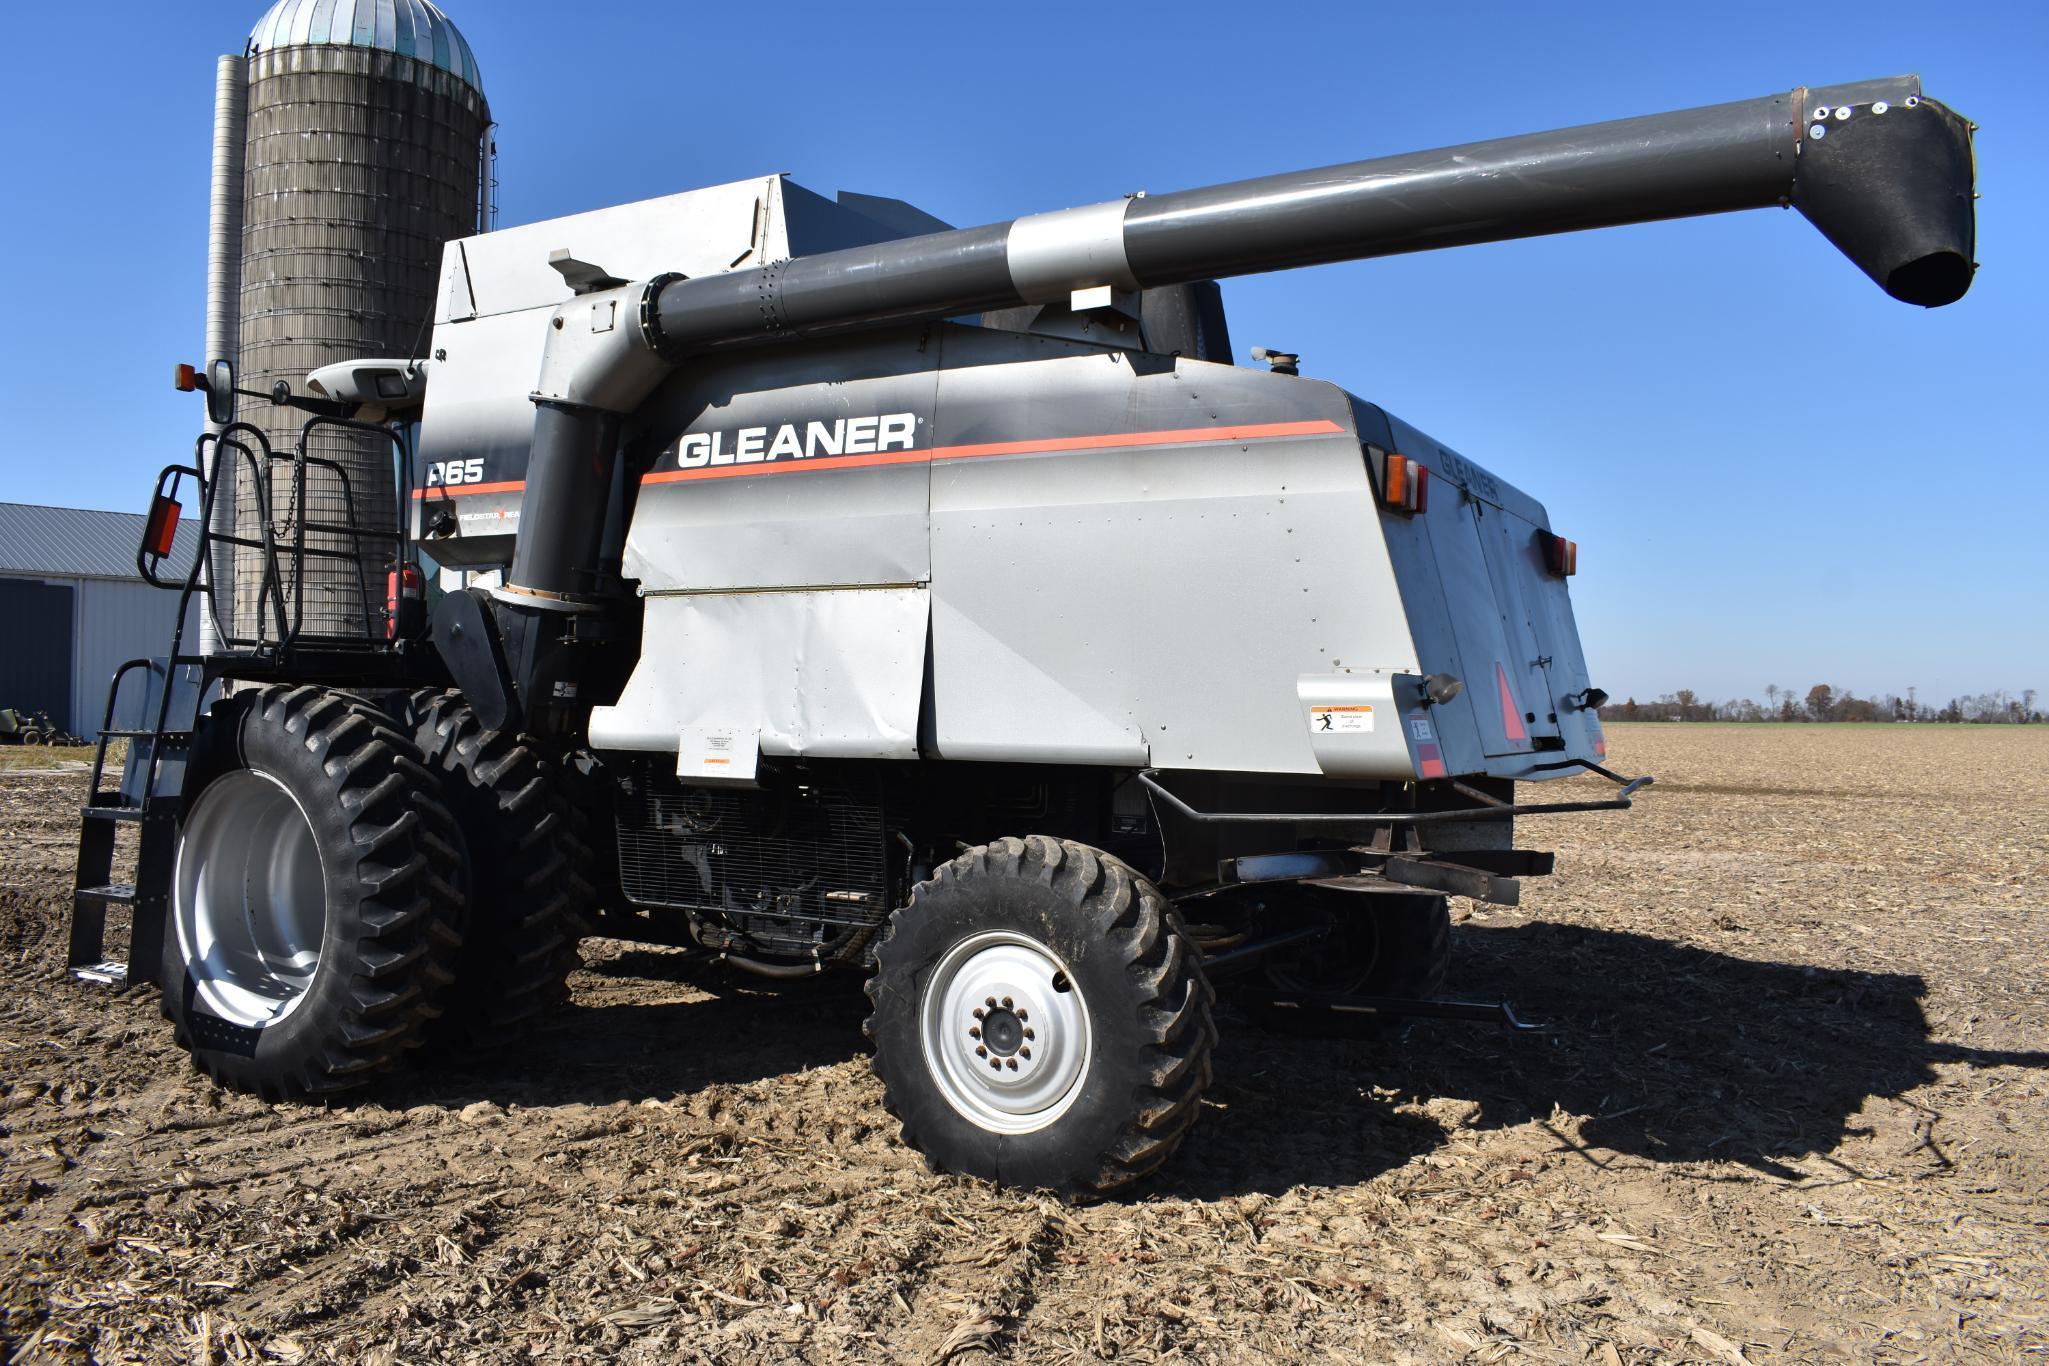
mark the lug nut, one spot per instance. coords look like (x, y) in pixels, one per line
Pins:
(1012, 1062)
(1024, 1052)
(1022, 1016)
(974, 1033)
(1028, 1033)
(996, 1063)
(978, 1012)
(981, 1052)
(989, 1002)
(1006, 1003)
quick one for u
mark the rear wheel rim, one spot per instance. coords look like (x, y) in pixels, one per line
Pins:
(251, 900)
(1005, 1032)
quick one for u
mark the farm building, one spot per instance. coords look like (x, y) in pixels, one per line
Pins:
(75, 609)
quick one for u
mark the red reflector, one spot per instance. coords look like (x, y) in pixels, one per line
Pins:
(403, 586)
(1511, 714)
(1561, 556)
(1395, 490)
(161, 529)
(1420, 502)
(186, 378)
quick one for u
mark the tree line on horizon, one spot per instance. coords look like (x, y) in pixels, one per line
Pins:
(1825, 702)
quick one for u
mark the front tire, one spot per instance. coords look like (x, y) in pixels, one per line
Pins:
(1041, 1019)
(315, 907)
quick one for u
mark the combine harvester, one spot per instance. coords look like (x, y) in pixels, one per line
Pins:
(826, 588)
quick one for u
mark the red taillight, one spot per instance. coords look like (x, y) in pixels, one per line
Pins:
(1561, 556)
(1404, 484)
(161, 530)
(186, 378)
(405, 595)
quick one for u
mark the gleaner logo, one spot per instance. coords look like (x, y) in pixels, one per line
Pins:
(798, 441)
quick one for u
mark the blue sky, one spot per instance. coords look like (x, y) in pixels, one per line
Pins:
(1775, 473)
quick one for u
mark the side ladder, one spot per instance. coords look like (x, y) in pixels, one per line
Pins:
(147, 797)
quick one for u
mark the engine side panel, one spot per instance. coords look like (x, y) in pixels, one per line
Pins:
(1139, 560)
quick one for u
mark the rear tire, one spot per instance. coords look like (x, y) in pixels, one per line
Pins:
(1380, 944)
(1090, 969)
(521, 872)
(315, 907)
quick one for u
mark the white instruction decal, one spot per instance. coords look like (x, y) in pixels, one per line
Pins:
(714, 755)
(1419, 727)
(1334, 720)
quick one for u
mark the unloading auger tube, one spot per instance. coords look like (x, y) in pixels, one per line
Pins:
(1883, 172)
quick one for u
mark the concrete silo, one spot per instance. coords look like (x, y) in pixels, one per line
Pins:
(366, 150)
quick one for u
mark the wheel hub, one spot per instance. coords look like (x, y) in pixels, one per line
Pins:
(249, 899)
(1006, 1036)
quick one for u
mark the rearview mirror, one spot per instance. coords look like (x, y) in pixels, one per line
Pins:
(220, 392)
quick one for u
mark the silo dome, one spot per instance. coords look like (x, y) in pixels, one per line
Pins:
(411, 28)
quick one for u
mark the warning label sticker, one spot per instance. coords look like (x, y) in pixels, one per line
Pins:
(1336, 720)
(708, 754)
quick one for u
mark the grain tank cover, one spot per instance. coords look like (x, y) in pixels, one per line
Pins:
(411, 28)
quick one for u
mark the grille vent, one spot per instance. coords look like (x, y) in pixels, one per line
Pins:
(798, 872)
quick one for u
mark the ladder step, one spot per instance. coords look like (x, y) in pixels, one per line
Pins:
(114, 813)
(146, 734)
(120, 892)
(105, 974)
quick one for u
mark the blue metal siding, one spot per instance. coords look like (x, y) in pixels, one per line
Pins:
(117, 622)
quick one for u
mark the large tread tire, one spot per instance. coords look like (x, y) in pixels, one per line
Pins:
(1379, 945)
(1141, 983)
(590, 844)
(521, 870)
(391, 868)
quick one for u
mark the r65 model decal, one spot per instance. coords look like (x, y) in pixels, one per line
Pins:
(452, 472)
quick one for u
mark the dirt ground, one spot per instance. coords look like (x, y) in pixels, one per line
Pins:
(1793, 1108)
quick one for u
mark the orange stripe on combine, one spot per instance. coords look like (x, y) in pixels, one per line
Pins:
(821, 462)
(1183, 436)
(464, 490)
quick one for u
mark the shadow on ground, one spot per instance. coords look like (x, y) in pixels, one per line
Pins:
(1676, 1053)
(1679, 1053)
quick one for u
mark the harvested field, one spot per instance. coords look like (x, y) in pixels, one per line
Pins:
(1793, 1109)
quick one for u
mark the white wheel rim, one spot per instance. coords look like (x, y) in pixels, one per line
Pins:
(1005, 1032)
(250, 899)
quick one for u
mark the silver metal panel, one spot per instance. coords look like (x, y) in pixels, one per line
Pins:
(1478, 596)
(831, 674)
(1354, 725)
(1051, 254)
(805, 517)
(698, 232)
(1169, 586)
(496, 298)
